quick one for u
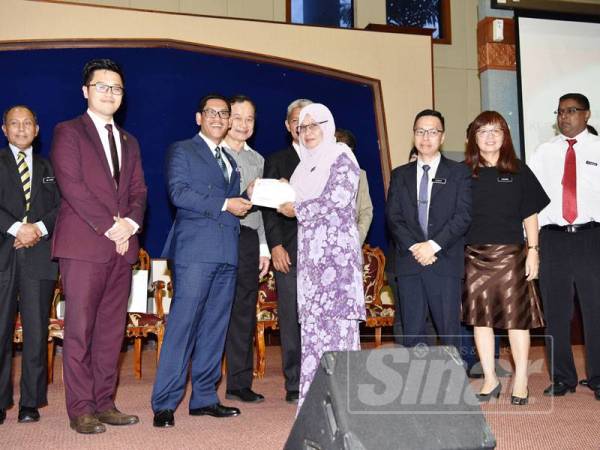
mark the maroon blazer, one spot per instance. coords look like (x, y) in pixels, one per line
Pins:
(89, 197)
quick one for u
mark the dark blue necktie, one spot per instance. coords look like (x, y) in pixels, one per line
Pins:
(219, 158)
(423, 199)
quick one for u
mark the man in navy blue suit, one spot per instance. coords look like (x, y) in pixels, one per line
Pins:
(428, 212)
(204, 185)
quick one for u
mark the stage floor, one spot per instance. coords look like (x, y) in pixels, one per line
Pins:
(570, 422)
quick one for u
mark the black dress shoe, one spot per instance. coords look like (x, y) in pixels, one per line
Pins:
(493, 393)
(244, 395)
(164, 418)
(27, 414)
(597, 394)
(2, 416)
(292, 396)
(216, 410)
(519, 401)
(558, 389)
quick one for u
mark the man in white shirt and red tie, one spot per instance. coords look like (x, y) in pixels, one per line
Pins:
(568, 167)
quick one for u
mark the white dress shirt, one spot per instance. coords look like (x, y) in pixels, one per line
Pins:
(548, 162)
(212, 147)
(296, 147)
(433, 166)
(14, 228)
(100, 125)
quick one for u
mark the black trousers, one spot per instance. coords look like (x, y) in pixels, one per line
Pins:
(440, 296)
(239, 348)
(32, 298)
(289, 327)
(569, 262)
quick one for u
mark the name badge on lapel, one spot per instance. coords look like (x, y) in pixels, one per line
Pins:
(591, 163)
(49, 180)
(505, 179)
(438, 181)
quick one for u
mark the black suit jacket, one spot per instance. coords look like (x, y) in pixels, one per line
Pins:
(449, 217)
(44, 201)
(281, 230)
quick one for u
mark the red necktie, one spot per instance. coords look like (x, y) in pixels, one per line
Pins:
(113, 152)
(569, 183)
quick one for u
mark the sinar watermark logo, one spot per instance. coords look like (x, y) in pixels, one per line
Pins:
(421, 380)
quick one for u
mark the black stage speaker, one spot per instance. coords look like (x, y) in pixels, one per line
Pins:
(391, 398)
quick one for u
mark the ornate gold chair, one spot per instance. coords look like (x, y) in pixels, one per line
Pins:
(140, 325)
(266, 317)
(56, 328)
(378, 314)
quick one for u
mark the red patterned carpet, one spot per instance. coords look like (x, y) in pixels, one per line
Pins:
(571, 422)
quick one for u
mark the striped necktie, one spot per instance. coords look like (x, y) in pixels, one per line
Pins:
(219, 158)
(25, 176)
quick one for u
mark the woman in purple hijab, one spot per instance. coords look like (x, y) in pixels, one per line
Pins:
(330, 285)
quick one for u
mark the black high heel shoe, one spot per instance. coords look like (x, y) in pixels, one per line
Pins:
(519, 401)
(493, 393)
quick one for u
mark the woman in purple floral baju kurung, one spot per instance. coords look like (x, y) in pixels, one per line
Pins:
(330, 285)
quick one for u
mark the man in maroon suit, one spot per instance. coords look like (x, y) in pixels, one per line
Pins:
(99, 173)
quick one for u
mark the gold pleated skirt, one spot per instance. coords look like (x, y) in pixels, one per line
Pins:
(496, 291)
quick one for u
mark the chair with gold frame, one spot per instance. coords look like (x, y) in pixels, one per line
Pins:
(140, 325)
(378, 314)
(266, 317)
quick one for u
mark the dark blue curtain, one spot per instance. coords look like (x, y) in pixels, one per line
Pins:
(163, 87)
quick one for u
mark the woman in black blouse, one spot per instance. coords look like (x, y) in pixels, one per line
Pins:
(499, 267)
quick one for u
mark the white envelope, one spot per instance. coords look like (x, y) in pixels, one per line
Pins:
(272, 193)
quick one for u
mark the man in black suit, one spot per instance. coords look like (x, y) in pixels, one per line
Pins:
(428, 212)
(282, 233)
(29, 201)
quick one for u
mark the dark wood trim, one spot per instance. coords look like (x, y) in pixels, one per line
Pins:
(446, 22)
(394, 29)
(288, 11)
(374, 84)
(432, 79)
(382, 138)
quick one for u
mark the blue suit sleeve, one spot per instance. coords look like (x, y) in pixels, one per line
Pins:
(396, 216)
(199, 198)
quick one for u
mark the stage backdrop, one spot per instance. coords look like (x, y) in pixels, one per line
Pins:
(163, 87)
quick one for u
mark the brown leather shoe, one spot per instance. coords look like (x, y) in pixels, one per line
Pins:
(87, 424)
(115, 417)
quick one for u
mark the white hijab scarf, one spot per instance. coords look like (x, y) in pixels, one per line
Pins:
(311, 175)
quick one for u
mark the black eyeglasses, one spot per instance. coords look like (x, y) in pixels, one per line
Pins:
(212, 113)
(309, 127)
(568, 111)
(103, 88)
(432, 132)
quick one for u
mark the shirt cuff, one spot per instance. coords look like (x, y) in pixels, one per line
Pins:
(436, 247)
(134, 224)
(224, 207)
(42, 228)
(109, 230)
(264, 250)
(14, 228)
